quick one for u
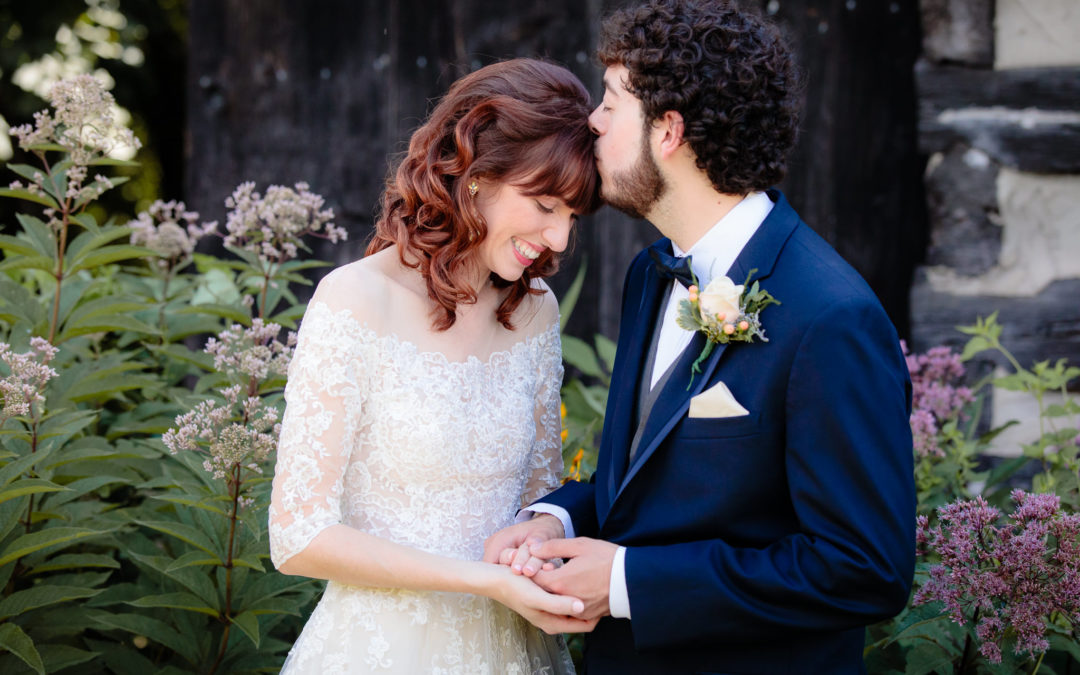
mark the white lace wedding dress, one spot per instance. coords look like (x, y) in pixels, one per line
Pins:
(426, 452)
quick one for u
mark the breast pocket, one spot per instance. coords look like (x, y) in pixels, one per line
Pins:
(721, 427)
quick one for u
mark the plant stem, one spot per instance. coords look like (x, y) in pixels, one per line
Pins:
(1038, 663)
(967, 645)
(234, 489)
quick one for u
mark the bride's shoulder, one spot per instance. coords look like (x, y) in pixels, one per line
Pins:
(366, 288)
(540, 311)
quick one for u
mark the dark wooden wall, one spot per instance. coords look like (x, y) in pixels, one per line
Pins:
(327, 91)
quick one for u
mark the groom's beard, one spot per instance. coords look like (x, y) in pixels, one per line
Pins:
(635, 190)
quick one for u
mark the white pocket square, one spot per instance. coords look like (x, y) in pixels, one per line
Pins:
(716, 401)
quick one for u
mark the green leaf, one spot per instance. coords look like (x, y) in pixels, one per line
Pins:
(239, 314)
(59, 656)
(249, 623)
(91, 239)
(14, 469)
(194, 503)
(35, 541)
(35, 262)
(154, 629)
(181, 600)
(13, 639)
(605, 349)
(42, 595)
(82, 486)
(580, 355)
(192, 559)
(185, 533)
(15, 246)
(39, 234)
(70, 561)
(975, 346)
(23, 193)
(29, 486)
(928, 658)
(570, 298)
(111, 254)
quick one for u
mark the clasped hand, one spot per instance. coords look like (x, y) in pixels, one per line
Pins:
(529, 549)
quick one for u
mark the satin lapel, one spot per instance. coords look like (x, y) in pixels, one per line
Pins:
(619, 420)
(674, 400)
(759, 254)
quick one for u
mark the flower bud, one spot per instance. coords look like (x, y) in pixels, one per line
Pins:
(743, 325)
(728, 329)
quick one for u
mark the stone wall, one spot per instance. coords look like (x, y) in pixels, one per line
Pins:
(999, 119)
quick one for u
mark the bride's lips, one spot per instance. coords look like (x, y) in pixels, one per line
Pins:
(524, 251)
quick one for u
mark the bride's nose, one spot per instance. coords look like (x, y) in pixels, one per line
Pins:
(556, 236)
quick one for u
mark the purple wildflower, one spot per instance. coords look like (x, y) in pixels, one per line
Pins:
(1015, 575)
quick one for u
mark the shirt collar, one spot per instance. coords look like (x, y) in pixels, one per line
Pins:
(716, 251)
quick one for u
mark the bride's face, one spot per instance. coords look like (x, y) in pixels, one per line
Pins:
(520, 228)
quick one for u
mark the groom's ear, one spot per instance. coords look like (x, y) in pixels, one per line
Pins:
(670, 128)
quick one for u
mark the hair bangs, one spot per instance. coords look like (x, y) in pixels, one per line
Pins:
(566, 168)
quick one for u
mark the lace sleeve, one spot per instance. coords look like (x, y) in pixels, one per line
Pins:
(321, 416)
(545, 460)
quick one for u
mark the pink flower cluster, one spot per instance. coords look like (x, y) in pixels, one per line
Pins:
(1014, 575)
(271, 226)
(28, 373)
(936, 397)
(253, 352)
(169, 229)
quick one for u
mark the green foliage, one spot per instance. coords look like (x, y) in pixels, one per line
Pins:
(924, 640)
(116, 555)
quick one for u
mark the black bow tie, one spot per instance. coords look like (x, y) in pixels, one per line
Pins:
(670, 267)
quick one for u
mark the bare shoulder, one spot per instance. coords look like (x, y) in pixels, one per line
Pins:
(362, 287)
(538, 312)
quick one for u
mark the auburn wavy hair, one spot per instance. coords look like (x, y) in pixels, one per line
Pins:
(727, 72)
(522, 122)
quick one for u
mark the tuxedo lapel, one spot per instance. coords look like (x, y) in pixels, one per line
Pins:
(619, 423)
(760, 255)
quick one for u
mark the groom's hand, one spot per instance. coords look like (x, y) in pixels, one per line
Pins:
(585, 575)
(510, 545)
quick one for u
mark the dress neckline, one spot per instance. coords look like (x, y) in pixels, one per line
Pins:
(470, 360)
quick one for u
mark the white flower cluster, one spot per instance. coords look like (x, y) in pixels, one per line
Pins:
(169, 229)
(271, 226)
(83, 123)
(253, 352)
(239, 432)
(27, 377)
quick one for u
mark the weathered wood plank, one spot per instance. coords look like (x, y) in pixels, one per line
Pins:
(1035, 328)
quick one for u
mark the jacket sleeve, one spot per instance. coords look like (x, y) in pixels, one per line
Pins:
(848, 459)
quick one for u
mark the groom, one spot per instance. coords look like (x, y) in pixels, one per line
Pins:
(754, 516)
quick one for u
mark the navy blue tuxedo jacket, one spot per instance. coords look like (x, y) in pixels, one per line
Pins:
(763, 543)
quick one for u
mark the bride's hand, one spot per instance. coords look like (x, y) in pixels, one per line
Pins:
(549, 612)
(510, 545)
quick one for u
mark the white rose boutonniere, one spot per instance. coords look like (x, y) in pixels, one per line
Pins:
(725, 313)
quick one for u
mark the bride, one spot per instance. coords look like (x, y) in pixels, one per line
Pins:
(423, 397)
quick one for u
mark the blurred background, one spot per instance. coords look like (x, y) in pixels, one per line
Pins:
(939, 149)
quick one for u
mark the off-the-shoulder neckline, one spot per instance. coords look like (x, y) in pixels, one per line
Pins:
(471, 360)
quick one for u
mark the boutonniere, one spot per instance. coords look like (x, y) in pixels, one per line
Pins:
(725, 313)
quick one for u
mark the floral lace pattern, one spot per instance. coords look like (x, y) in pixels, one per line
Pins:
(426, 452)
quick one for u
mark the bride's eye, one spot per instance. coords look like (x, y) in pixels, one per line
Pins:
(544, 209)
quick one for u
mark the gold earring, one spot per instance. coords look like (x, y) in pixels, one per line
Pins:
(474, 187)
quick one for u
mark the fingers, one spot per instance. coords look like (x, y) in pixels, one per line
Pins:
(553, 625)
(556, 548)
(521, 557)
(509, 537)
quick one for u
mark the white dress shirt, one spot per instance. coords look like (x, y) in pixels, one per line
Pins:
(712, 256)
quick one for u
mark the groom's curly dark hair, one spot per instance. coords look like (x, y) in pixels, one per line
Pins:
(727, 72)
